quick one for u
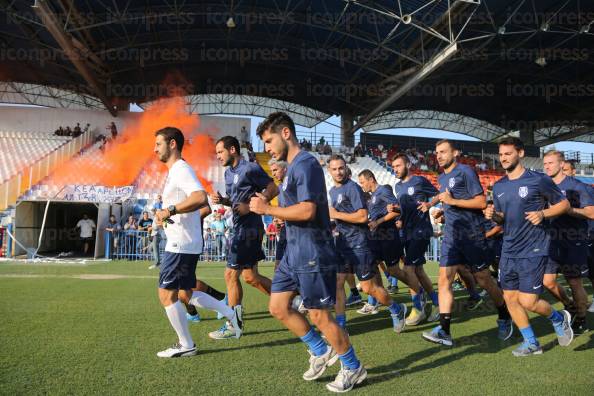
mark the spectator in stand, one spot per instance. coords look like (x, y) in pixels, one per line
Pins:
(327, 150)
(87, 127)
(112, 228)
(77, 131)
(113, 130)
(271, 233)
(322, 141)
(243, 135)
(145, 223)
(359, 151)
(159, 203)
(483, 165)
(131, 224)
(68, 131)
(86, 227)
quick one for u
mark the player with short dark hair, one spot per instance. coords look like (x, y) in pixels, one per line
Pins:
(463, 243)
(243, 180)
(414, 194)
(522, 200)
(349, 209)
(309, 264)
(183, 196)
(385, 240)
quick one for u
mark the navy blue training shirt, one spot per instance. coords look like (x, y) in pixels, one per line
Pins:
(308, 241)
(462, 183)
(241, 183)
(566, 227)
(349, 198)
(409, 194)
(533, 191)
(380, 198)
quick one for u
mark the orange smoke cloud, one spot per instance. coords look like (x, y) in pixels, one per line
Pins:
(133, 151)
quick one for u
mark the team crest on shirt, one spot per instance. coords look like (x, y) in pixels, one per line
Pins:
(411, 190)
(339, 199)
(452, 182)
(523, 192)
(235, 178)
(373, 200)
(563, 191)
(285, 183)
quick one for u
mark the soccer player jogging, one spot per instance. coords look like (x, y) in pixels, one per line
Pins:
(463, 242)
(385, 241)
(568, 251)
(414, 194)
(349, 209)
(279, 171)
(309, 264)
(522, 200)
(183, 196)
(569, 170)
(242, 180)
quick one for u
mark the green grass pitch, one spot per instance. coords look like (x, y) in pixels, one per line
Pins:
(74, 329)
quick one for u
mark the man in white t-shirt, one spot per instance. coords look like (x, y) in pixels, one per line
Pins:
(183, 196)
(86, 227)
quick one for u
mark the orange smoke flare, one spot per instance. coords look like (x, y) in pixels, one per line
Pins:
(133, 151)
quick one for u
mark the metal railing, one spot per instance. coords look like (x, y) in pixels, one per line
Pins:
(28, 176)
(139, 245)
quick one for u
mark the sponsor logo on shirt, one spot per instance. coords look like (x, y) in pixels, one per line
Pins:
(411, 190)
(523, 192)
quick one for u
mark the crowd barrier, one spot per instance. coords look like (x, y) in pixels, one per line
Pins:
(139, 245)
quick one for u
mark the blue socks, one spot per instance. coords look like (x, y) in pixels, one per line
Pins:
(556, 317)
(314, 341)
(434, 298)
(395, 308)
(341, 320)
(349, 359)
(417, 303)
(371, 300)
(529, 336)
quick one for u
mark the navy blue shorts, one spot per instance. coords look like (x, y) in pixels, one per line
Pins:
(569, 259)
(357, 261)
(414, 251)
(494, 247)
(317, 287)
(522, 274)
(246, 248)
(281, 246)
(386, 245)
(469, 252)
(178, 271)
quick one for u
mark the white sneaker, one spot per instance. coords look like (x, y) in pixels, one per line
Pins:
(177, 350)
(591, 309)
(346, 379)
(318, 364)
(368, 309)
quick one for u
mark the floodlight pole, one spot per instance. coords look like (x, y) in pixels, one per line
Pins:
(433, 64)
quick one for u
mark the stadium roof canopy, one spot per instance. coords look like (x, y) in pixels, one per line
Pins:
(479, 67)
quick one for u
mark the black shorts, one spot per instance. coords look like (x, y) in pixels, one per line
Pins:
(386, 245)
(522, 274)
